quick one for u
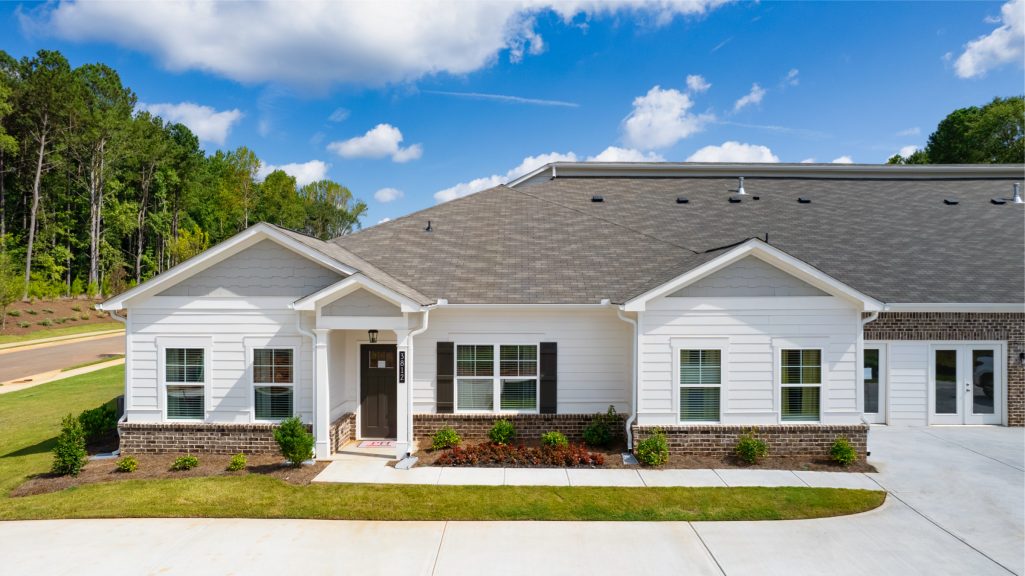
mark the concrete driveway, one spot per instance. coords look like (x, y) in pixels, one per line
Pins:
(956, 507)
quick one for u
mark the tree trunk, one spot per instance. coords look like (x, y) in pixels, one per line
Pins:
(95, 215)
(35, 206)
(145, 180)
(3, 198)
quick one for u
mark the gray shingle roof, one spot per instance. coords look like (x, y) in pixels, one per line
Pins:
(547, 242)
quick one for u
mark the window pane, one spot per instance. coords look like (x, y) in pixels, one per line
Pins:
(801, 404)
(273, 402)
(519, 394)
(699, 367)
(175, 373)
(475, 360)
(946, 381)
(801, 367)
(174, 356)
(183, 365)
(699, 403)
(518, 360)
(283, 357)
(263, 374)
(263, 356)
(282, 374)
(475, 394)
(185, 402)
(871, 381)
(381, 359)
(194, 356)
(982, 382)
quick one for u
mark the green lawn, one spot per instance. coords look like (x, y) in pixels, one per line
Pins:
(29, 422)
(62, 331)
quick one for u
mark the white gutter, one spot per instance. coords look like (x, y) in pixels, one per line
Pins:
(128, 364)
(977, 307)
(870, 318)
(633, 387)
(409, 376)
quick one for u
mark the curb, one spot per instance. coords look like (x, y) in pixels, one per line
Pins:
(24, 343)
(54, 375)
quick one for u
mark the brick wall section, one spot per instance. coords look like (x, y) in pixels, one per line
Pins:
(342, 431)
(718, 440)
(146, 438)
(1007, 326)
(528, 426)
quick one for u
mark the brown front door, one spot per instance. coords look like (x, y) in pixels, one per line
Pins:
(377, 391)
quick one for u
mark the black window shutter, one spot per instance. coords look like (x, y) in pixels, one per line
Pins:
(549, 378)
(445, 366)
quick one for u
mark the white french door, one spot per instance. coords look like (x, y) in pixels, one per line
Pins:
(874, 383)
(965, 384)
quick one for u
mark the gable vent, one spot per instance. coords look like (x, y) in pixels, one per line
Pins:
(736, 198)
(682, 200)
(804, 200)
(951, 201)
(998, 201)
(597, 198)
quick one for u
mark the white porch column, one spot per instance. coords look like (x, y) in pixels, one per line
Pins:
(403, 434)
(321, 396)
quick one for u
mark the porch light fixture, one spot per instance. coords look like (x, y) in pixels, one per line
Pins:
(372, 334)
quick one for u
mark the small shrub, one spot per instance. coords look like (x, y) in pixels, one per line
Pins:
(750, 448)
(187, 462)
(69, 453)
(98, 423)
(83, 317)
(295, 442)
(502, 432)
(445, 438)
(76, 308)
(128, 464)
(14, 313)
(653, 450)
(47, 310)
(489, 454)
(46, 322)
(555, 438)
(31, 311)
(842, 452)
(238, 462)
(603, 428)
(60, 320)
(24, 324)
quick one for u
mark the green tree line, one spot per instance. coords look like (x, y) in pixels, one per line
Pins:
(989, 134)
(96, 195)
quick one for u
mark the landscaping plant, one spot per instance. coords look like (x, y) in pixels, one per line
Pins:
(187, 462)
(653, 450)
(488, 454)
(842, 452)
(98, 423)
(750, 448)
(603, 428)
(237, 463)
(127, 464)
(69, 453)
(295, 442)
(554, 438)
(444, 438)
(502, 432)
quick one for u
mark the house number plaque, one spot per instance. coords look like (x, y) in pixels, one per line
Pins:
(402, 366)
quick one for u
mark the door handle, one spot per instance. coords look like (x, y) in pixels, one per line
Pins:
(967, 386)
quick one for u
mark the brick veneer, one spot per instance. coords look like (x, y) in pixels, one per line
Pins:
(1006, 326)
(342, 431)
(147, 438)
(718, 440)
(528, 426)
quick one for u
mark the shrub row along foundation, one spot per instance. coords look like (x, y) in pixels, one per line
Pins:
(528, 426)
(783, 440)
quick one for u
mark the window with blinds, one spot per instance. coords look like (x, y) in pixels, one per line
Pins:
(184, 373)
(700, 385)
(273, 380)
(506, 373)
(800, 384)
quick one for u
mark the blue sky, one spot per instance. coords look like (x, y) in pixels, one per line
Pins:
(380, 96)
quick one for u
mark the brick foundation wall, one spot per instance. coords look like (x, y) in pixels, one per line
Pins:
(146, 438)
(1006, 326)
(718, 440)
(342, 431)
(528, 426)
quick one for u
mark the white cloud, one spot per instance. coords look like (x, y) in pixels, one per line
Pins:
(734, 152)
(913, 131)
(808, 161)
(662, 118)
(697, 83)
(505, 98)
(303, 172)
(207, 124)
(906, 151)
(339, 115)
(753, 97)
(792, 77)
(1004, 44)
(385, 195)
(319, 43)
(845, 159)
(477, 184)
(617, 154)
(383, 220)
(380, 141)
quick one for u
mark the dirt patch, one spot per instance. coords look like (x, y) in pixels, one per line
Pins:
(158, 466)
(49, 314)
(614, 459)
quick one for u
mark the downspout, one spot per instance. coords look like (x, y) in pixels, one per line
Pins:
(409, 376)
(124, 415)
(633, 385)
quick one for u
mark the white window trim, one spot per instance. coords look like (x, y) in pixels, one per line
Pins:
(496, 379)
(163, 343)
(254, 344)
(720, 344)
(778, 345)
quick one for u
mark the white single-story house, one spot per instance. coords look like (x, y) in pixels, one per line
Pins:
(702, 299)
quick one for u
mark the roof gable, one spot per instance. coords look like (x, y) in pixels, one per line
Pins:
(748, 277)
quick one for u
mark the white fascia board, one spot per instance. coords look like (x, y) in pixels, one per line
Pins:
(770, 255)
(219, 253)
(955, 307)
(342, 287)
(550, 167)
(538, 306)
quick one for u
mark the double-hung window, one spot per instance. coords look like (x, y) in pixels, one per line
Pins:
(800, 384)
(700, 385)
(184, 379)
(492, 378)
(273, 382)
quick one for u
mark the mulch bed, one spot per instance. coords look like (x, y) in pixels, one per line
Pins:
(60, 313)
(158, 466)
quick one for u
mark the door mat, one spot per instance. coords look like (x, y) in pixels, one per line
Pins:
(376, 444)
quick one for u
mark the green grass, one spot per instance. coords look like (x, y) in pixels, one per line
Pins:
(63, 331)
(92, 362)
(29, 423)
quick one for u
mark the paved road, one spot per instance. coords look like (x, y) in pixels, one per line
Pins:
(957, 506)
(18, 364)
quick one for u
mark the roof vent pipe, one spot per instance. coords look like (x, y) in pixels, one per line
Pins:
(740, 187)
(1016, 199)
